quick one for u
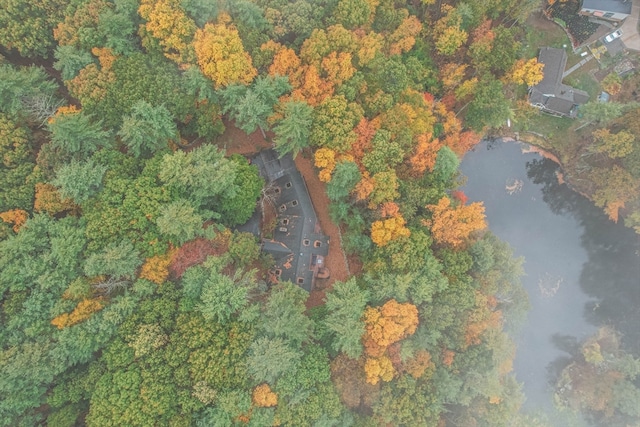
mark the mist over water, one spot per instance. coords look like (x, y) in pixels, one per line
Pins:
(582, 271)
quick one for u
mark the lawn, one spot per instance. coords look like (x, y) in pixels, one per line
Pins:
(582, 79)
(535, 38)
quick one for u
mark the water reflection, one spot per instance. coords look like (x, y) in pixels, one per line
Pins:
(582, 270)
(612, 273)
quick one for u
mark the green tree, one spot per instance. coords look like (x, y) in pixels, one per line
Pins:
(389, 75)
(269, 358)
(601, 112)
(384, 153)
(489, 107)
(70, 60)
(237, 208)
(16, 166)
(446, 165)
(504, 52)
(147, 129)
(120, 260)
(292, 131)
(201, 174)
(243, 249)
(180, 222)
(250, 106)
(76, 133)
(128, 205)
(18, 85)
(284, 315)
(352, 13)
(345, 305)
(344, 178)
(80, 180)
(223, 296)
(333, 123)
(28, 26)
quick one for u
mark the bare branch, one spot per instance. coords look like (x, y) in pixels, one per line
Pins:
(111, 284)
(41, 107)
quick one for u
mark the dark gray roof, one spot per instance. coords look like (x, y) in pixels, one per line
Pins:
(555, 61)
(298, 245)
(551, 93)
(617, 6)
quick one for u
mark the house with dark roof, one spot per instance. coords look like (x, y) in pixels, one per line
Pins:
(298, 246)
(610, 10)
(551, 95)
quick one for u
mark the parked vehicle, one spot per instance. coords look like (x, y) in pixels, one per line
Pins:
(611, 37)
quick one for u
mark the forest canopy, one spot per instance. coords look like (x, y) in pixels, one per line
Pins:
(127, 294)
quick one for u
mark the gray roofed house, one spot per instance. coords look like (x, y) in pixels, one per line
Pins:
(551, 95)
(298, 245)
(611, 10)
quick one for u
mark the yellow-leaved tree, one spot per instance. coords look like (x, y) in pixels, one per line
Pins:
(82, 312)
(385, 326)
(526, 72)
(387, 230)
(221, 55)
(167, 22)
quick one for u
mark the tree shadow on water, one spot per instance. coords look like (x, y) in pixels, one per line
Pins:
(612, 273)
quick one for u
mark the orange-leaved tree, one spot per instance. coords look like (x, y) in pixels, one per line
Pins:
(156, 268)
(404, 37)
(17, 217)
(221, 55)
(263, 397)
(452, 225)
(420, 365)
(425, 154)
(365, 131)
(378, 368)
(482, 317)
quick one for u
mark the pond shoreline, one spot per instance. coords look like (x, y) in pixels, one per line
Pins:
(536, 147)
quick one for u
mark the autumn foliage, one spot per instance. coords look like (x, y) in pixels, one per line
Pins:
(387, 230)
(48, 200)
(452, 226)
(385, 326)
(425, 154)
(82, 312)
(17, 217)
(325, 159)
(421, 365)
(221, 55)
(526, 72)
(482, 317)
(156, 269)
(168, 23)
(378, 368)
(388, 324)
(263, 397)
(190, 254)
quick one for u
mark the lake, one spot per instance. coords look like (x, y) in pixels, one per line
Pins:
(582, 271)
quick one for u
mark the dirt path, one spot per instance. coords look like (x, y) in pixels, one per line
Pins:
(235, 141)
(335, 260)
